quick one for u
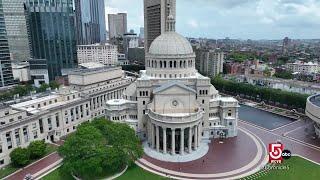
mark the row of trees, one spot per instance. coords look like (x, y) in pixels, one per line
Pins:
(100, 147)
(22, 156)
(24, 90)
(268, 95)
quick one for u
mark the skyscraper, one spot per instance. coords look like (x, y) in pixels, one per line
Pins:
(117, 25)
(52, 34)
(6, 77)
(155, 18)
(90, 21)
(16, 29)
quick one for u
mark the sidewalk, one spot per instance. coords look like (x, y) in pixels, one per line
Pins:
(37, 167)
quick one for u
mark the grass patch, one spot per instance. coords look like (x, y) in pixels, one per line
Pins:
(135, 172)
(57, 175)
(7, 171)
(10, 169)
(299, 168)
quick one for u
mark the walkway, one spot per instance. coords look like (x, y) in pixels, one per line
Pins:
(37, 168)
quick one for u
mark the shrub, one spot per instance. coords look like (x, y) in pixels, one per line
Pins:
(20, 157)
(37, 149)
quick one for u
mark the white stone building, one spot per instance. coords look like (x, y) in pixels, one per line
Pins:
(54, 115)
(100, 53)
(303, 68)
(172, 106)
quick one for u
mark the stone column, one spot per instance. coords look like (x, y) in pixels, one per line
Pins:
(152, 135)
(157, 137)
(164, 139)
(173, 143)
(195, 137)
(181, 141)
(199, 135)
(190, 140)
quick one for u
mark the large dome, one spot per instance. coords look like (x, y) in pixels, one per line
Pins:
(170, 43)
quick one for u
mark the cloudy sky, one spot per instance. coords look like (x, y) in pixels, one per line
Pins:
(245, 19)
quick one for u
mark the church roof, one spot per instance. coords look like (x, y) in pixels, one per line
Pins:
(170, 43)
(171, 84)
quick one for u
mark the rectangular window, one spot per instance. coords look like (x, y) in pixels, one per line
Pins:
(17, 136)
(1, 162)
(25, 134)
(0, 148)
(41, 125)
(49, 124)
(35, 134)
(9, 141)
(57, 120)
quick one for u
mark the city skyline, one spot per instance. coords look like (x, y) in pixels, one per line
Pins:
(296, 19)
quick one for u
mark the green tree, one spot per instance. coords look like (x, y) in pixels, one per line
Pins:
(84, 152)
(100, 147)
(43, 88)
(54, 85)
(37, 149)
(20, 157)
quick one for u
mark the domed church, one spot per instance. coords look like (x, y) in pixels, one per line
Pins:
(172, 107)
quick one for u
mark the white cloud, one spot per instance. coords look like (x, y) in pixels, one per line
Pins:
(193, 23)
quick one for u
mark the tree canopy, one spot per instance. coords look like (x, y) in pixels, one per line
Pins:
(290, 99)
(100, 147)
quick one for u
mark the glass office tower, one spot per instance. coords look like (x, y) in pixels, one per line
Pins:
(51, 26)
(16, 28)
(90, 21)
(6, 77)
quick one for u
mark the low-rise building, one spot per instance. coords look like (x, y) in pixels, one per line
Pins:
(101, 53)
(58, 113)
(303, 67)
(21, 71)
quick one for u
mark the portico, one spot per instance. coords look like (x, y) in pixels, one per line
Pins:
(174, 140)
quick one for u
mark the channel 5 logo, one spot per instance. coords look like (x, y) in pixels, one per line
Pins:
(277, 153)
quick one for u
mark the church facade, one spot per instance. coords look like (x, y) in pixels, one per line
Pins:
(171, 106)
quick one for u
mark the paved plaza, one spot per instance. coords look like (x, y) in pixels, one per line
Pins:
(234, 158)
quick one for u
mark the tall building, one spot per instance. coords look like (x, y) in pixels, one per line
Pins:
(6, 76)
(98, 53)
(209, 62)
(51, 26)
(285, 45)
(16, 28)
(155, 18)
(90, 21)
(130, 40)
(141, 35)
(117, 24)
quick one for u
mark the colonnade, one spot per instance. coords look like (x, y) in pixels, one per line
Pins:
(175, 140)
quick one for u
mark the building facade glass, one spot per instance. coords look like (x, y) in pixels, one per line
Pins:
(90, 21)
(51, 29)
(16, 28)
(6, 77)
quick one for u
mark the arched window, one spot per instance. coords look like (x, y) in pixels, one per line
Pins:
(170, 64)
(180, 64)
(160, 64)
(175, 64)
(165, 64)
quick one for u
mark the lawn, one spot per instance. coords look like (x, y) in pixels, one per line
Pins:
(7, 170)
(57, 175)
(135, 172)
(299, 168)
(10, 169)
